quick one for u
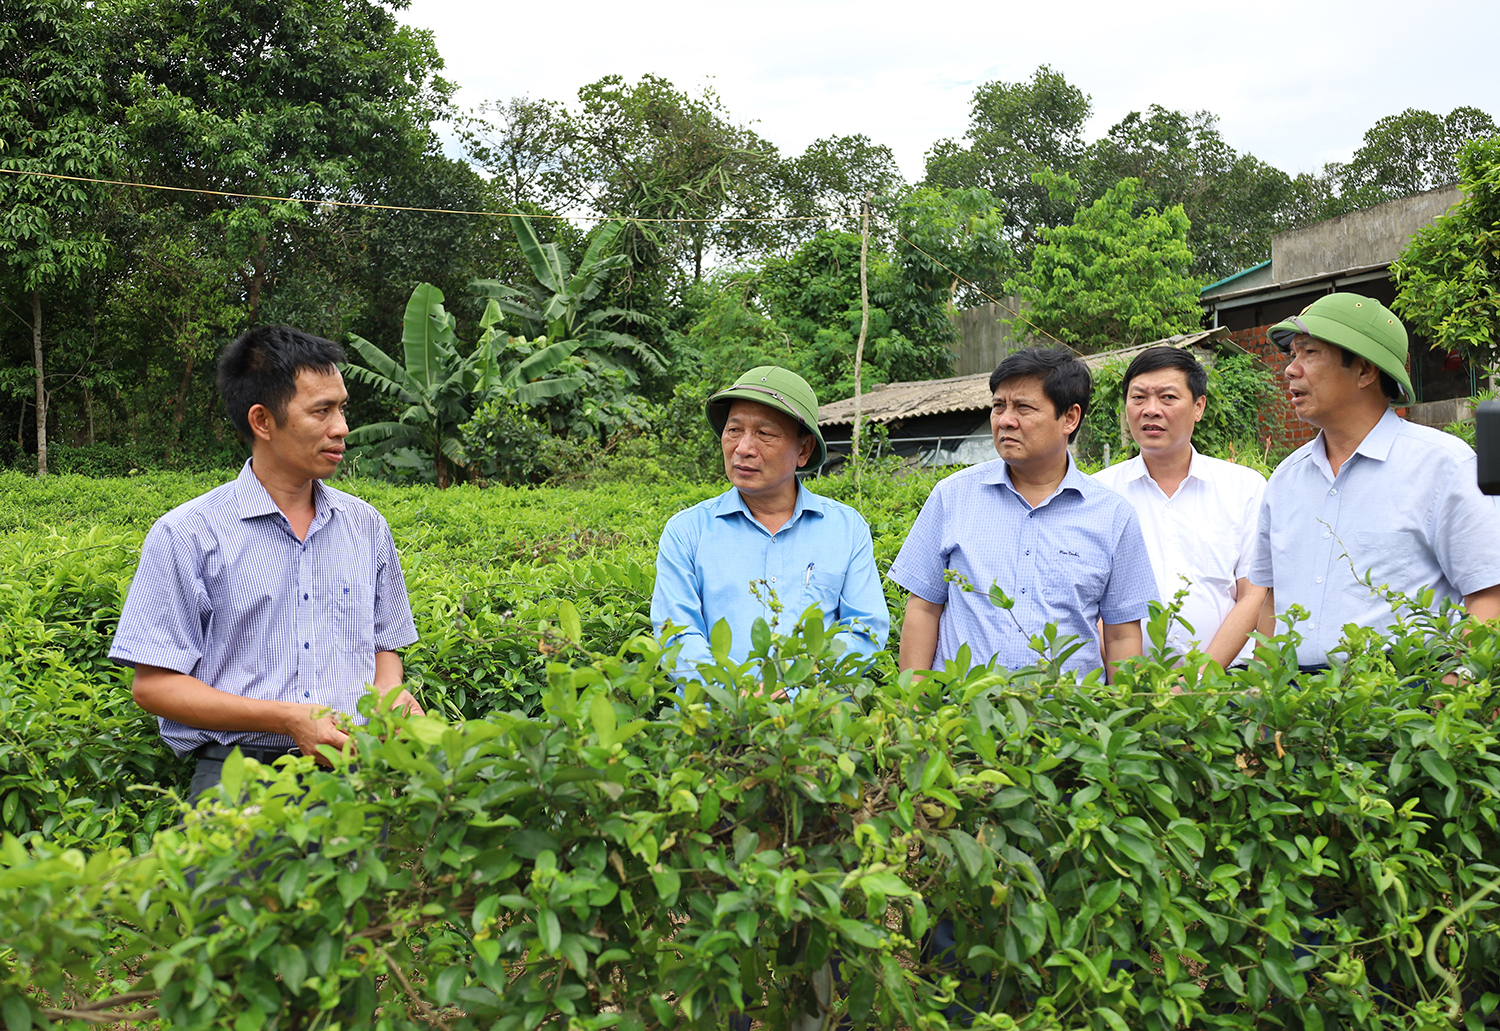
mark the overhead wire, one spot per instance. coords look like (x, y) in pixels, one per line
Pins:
(399, 207)
(510, 214)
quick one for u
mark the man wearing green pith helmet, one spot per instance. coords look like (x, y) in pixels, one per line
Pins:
(723, 558)
(1372, 496)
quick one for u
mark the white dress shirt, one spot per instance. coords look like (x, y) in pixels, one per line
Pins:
(1201, 538)
(1404, 509)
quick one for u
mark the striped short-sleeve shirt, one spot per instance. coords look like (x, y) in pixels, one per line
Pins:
(226, 593)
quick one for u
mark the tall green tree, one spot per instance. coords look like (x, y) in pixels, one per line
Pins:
(305, 99)
(1234, 202)
(50, 123)
(1448, 278)
(829, 181)
(647, 150)
(1017, 130)
(1407, 153)
(1113, 278)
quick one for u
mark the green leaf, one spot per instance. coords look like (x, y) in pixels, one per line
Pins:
(291, 964)
(448, 982)
(719, 639)
(969, 851)
(602, 714)
(16, 1012)
(567, 616)
(668, 883)
(1438, 768)
(232, 777)
(549, 930)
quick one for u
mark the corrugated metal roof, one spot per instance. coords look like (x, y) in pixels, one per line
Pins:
(889, 402)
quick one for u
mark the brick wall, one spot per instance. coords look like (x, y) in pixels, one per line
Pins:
(1279, 425)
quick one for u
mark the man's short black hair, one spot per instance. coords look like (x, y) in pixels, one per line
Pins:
(1065, 379)
(260, 366)
(1154, 358)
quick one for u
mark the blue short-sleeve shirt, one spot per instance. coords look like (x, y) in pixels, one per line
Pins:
(712, 556)
(1076, 558)
(226, 593)
(1404, 509)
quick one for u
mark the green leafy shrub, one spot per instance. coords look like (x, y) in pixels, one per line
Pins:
(1252, 852)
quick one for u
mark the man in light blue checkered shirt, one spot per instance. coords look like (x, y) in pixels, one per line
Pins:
(1063, 547)
(262, 609)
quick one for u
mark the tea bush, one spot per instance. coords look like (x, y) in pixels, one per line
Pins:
(485, 570)
(983, 848)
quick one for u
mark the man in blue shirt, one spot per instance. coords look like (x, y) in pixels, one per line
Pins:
(1372, 494)
(1063, 547)
(767, 533)
(261, 609)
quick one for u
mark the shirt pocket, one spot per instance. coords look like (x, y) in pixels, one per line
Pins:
(1074, 590)
(354, 618)
(1391, 558)
(1208, 557)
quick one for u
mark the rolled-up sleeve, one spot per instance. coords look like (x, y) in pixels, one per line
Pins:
(922, 561)
(1132, 582)
(167, 608)
(394, 627)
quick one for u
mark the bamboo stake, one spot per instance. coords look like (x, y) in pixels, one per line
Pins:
(864, 323)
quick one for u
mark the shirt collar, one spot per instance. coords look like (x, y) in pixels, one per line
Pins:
(997, 472)
(731, 501)
(1135, 468)
(1377, 443)
(255, 501)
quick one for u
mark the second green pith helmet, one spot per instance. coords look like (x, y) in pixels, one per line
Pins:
(777, 388)
(1360, 325)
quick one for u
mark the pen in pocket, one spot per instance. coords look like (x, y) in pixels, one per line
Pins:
(807, 576)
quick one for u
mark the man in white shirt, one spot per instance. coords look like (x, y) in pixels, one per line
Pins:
(1198, 514)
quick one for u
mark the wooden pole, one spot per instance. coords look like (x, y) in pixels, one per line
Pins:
(864, 322)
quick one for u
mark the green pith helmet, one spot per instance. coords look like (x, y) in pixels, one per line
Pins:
(777, 388)
(1359, 325)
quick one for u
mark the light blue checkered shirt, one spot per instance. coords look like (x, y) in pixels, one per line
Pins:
(226, 593)
(1076, 558)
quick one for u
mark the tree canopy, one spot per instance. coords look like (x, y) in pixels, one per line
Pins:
(1113, 278)
(1448, 278)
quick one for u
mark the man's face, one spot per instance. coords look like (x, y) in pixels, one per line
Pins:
(1161, 411)
(762, 449)
(1321, 385)
(1027, 429)
(308, 442)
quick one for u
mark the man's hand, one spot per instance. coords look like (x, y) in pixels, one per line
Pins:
(313, 725)
(404, 702)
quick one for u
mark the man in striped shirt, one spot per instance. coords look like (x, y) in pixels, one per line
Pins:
(262, 609)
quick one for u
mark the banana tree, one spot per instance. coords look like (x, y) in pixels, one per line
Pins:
(441, 386)
(557, 304)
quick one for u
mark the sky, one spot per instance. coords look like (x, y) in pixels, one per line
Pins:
(1294, 83)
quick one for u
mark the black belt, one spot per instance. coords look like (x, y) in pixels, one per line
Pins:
(218, 753)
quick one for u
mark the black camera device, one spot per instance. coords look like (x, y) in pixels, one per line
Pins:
(1487, 444)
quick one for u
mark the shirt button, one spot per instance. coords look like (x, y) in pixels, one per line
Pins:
(1327, 533)
(307, 644)
(1319, 580)
(304, 597)
(306, 694)
(1028, 551)
(1023, 590)
(773, 579)
(1334, 490)
(1312, 626)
